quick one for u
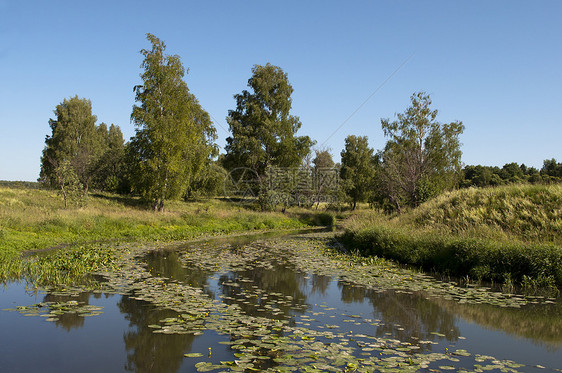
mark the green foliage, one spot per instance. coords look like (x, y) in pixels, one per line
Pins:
(66, 266)
(109, 170)
(20, 184)
(263, 130)
(510, 173)
(69, 186)
(426, 190)
(326, 176)
(323, 159)
(78, 149)
(209, 183)
(357, 168)
(325, 219)
(419, 150)
(551, 171)
(174, 136)
(74, 138)
(460, 256)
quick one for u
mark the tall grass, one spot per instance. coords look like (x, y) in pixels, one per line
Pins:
(510, 232)
(65, 266)
(527, 212)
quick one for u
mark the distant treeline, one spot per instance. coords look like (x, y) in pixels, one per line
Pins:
(20, 184)
(511, 173)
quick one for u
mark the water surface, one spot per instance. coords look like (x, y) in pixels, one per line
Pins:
(260, 283)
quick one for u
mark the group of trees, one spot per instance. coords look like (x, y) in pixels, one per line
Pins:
(167, 157)
(421, 158)
(172, 152)
(79, 154)
(510, 173)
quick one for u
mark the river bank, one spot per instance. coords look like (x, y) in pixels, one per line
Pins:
(510, 234)
(34, 219)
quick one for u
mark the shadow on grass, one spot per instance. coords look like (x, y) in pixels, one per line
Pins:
(128, 201)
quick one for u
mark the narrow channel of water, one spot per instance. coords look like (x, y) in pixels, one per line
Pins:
(268, 285)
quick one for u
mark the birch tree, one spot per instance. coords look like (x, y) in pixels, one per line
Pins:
(174, 135)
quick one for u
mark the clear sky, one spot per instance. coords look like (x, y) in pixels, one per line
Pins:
(494, 65)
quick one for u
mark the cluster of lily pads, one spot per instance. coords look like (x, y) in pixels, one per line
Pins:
(385, 275)
(52, 311)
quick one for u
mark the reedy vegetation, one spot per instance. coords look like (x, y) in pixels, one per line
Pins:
(503, 234)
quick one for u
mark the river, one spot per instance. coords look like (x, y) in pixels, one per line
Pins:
(273, 304)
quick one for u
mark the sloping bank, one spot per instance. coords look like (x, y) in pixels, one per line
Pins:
(506, 234)
(33, 219)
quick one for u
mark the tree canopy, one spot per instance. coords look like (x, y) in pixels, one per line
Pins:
(109, 170)
(357, 168)
(263, 130)
(422, 156)
(75, 140)
(174, 135)
(323, 159)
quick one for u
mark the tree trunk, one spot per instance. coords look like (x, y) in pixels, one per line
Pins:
(64, 197)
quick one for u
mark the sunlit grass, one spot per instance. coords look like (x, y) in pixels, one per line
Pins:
(35, 219)
(509, 233)
(531, 213)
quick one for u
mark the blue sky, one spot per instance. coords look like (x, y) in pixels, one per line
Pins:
(494, 65)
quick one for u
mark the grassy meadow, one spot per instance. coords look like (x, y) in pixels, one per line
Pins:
(32, 219)
(509, 234)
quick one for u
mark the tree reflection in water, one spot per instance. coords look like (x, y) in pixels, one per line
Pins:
(148, 351)
(72, 320)
(406, 316)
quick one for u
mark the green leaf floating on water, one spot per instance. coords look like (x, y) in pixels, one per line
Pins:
(206, 367)
(461, 353)
(193, 354)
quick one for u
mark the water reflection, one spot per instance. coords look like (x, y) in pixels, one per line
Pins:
(405, 316)
(320, 284)
(266, 287)
(71, 320)
(273, 291)
(147, 351)
(165, 263)
(538, 323)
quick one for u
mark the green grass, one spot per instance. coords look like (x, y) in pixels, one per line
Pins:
(66, 266)
(505, 234)
(33, 219)
(528, 212)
